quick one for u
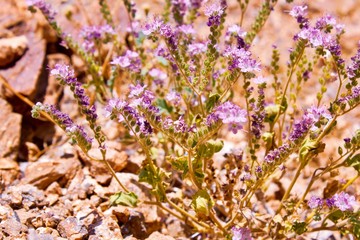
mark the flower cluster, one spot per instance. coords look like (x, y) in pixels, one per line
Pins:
(94, 34)
(320, 35)
(311, 117)
(353, 69)
(65, 75)
(125, 113)
(241, 59)
(130, 60)
(158, 76)
(241, 233)
(343, 201)
(214, 12)
(300, 13)
(274, 155)
(76, 132)
(230, 114)
(44, 7)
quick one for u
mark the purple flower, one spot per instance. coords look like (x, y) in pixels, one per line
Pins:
(196, 4)
(76, 132)
(121, 110)
(153, 27)
(136, 91)
(66, 76)
(95, 33)
(214, 12)
(325, 21)
(187, 29)
(63, 73)
(197, 48)
(241, 59)
(158, 76)
(44, 7)
(308, 121)
(258, 169)
(275, 154)
(313, 35)
(114, 105)
(315, 202)
(344, 201)
(354, 66)
(173, 97)
(180, 125)
(230, 114)
(260, 80)
(179, 8)
(300, 13)
(330, 202)
(241, 233)
(236, 30)
(130, 61)
(168, 123)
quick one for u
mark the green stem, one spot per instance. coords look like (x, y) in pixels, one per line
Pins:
(287, 193)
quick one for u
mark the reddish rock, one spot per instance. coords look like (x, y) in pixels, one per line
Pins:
(13, 228)
(10, 130)
(42, 174)
(12, 49)
(26, 196)
(105, 228)
(98, 170)
(159, 236)
(24, 75)
(71, 228)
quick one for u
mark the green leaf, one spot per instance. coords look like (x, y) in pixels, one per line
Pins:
(271, 113)
(335, 216)
(202, 203)
(299, 227)
(125, 199)
(148, 176)
(164, 107)
(213, 99)
(180, 164)
(355, 222)
(354, 162)
(208, 149)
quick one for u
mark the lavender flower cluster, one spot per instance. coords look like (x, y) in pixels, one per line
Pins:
(319, 35)
(76, 132)
(93, 35)
(343, 201)
(181, 94)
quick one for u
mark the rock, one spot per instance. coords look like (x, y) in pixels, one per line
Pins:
(135, 226)
(54, 188)
(13, 228)
(159, 236)
(25, 216)
(71, 228)
(26, 196)
(54, 215)
(42, 174)
(43, 234)
(11, 49)
(10, 133)
(98, 170)
(23, 78)
(6, 212)
(105, 228)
